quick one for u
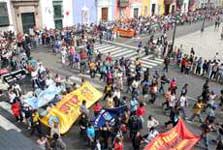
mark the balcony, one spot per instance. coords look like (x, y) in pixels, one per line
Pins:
(168, 2)
(17, 3)
(123, 3)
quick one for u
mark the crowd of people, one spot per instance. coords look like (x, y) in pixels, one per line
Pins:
(192, 64)
(132, 88)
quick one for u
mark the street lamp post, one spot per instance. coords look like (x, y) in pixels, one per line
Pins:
(202, 27)
(174, 35)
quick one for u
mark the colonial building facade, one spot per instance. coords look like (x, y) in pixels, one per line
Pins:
(25, 14)
(85, 11)
(57, 13)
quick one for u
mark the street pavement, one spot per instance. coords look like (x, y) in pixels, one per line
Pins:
(195, 86)
(180, 31)
(72, 138)
(205, 44)
(117, 52)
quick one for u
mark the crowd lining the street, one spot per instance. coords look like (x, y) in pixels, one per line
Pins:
(139, 87)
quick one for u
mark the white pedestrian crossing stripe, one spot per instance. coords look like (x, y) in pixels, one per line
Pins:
(5, 123)
(117, 52)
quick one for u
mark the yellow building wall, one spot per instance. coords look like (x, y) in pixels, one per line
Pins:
(145, 7)
(161, 5)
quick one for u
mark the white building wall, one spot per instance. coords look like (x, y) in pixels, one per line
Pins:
(133, 6)
(184, 7)
(47, 14)
(68, 13)
(101, 4)
(156, 8)
(11, 24)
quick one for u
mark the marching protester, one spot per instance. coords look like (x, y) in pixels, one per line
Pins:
(118, 75)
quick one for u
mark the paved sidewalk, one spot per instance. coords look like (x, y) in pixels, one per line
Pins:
(14, 140)
(205, 44)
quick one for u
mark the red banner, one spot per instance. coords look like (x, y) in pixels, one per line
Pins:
(177, 138)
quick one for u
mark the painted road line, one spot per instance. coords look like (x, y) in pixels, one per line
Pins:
(122, 53)
(155, 61)
(119, 51)
(113, 50)
(6, 106)
(87, 77)
(102, 46)
(147, 66)
(146, 57)
(131, 54)
(8, 125)
(159, 59)
(106, 48)
(110, 50)
(5, 123)
(148, 63)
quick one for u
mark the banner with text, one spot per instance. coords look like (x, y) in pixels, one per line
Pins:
(67, 110)
(108, 115)
(177, 138)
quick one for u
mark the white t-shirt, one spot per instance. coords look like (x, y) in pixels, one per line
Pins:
(152, 123)
(183, 101)
(172, 101)
(34, 74)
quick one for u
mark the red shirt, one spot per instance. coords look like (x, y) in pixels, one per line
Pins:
(118, 146)
(183, 62)
(109, 59)
(15, 107)
(140, 111)
(97, 107)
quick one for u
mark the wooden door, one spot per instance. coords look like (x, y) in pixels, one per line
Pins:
(104, 14)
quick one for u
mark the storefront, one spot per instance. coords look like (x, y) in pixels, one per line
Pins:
(26, 15)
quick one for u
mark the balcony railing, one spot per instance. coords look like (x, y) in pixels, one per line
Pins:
(123, 3)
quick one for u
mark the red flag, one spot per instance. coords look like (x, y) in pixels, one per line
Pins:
(177, 138)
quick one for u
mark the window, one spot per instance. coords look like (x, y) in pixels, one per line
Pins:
(123, 3)
(4, 17)
(57, 11)
(58, 24)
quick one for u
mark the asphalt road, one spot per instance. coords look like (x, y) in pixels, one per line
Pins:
(72, 138)
(180, 31)
(195, 83)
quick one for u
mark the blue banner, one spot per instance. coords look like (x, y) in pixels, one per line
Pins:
(43, 97)
(108, 115)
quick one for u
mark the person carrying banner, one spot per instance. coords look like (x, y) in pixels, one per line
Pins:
(136, 141)
(97, 108)
(134, 124)
(91, 135)
(83, 123)
(83, 108)
(118, 144)
(105, 133)
(35, 123)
